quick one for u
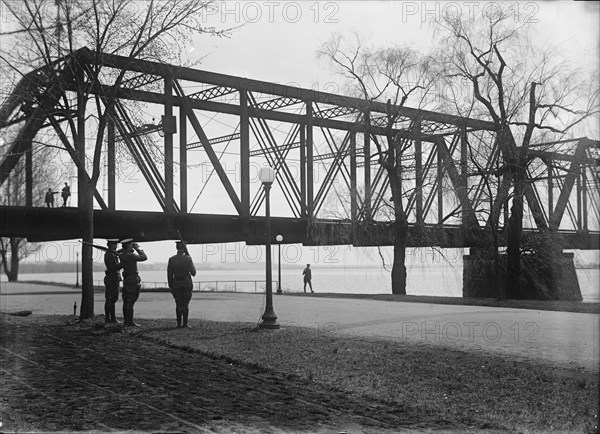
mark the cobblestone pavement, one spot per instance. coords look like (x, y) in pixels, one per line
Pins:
(88, 378)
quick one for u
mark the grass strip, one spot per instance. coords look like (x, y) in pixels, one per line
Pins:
(471, 388)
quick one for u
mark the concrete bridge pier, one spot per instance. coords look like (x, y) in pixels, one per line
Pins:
(544, 276)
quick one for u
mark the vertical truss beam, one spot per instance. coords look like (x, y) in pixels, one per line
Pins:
(353, 192)
(462, 188)
(168, 122)
(80, 143)
(303, 174)
(440, 192)
(111, 162)
(183, 184)
(584, 203)
(244, 153)
(309, 161)
(549, 163)
(418, 174)
(29, 175)
(367, 166)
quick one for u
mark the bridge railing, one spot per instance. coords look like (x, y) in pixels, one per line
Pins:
(255, 286)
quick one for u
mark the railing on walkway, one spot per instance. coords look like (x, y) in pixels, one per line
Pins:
(255, 286)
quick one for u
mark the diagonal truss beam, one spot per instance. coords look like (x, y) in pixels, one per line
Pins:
(565, 193)
(461, 192)
(73, 154)
(189, 111)
(276, 157)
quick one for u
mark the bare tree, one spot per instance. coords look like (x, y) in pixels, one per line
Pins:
(525, 90)
(397, 75)
(12, 193)
(43, 31)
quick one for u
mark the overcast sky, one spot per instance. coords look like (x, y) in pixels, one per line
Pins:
(277, 41)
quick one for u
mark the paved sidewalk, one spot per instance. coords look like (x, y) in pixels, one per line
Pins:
(561, 338)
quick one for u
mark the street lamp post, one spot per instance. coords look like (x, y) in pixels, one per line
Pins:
(77, 270)
(279, 239)
(267, 176)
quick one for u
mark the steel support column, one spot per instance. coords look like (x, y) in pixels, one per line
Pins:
(418, 174)
(183, 190)
(244, 153)
(303, 210)
(463, 188)
(367, 160)
(29, 175)
(80, 147)
(309, 161)
(168, 123)
(353, 192)
(111, 162)
(579, 203)
(440, 191)
(550, 190)
(584, 198)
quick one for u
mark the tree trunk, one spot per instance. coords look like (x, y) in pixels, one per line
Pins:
(13, 274)
(87, 265)
(399, 268)
(513, 251)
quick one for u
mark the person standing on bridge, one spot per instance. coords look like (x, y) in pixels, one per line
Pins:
(112, 279)
(132, 284)
(180, 270)
(66, 192)
(308, 278)
(49, 199)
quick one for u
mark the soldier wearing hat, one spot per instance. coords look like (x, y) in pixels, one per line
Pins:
(131, 254)
(111, 280)
(180, 270)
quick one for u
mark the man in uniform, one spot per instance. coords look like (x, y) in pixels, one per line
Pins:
(131, 254)
(66, 192)
(307, 277)
(180, 270)
(111, 280)
(49, 198)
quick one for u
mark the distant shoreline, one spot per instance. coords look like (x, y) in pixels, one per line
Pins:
(68, 267)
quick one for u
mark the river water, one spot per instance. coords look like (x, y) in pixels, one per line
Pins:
(429, 280)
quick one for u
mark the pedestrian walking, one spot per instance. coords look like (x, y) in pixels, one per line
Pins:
(49, 199)
(180, 270)
(112, 280)
(66, 192)
(132, 284)
(308, 278)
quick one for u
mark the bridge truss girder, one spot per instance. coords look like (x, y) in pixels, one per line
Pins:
(441, 187)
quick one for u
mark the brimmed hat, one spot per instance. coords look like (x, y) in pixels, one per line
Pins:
(112, 241)
(127, 241)
(179, 245)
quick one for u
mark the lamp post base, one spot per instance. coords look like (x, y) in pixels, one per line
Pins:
(269, 320)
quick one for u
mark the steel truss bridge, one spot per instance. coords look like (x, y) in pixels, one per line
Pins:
(329, 185)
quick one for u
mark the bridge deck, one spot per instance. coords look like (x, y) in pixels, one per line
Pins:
(52, 224)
